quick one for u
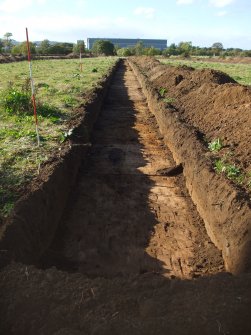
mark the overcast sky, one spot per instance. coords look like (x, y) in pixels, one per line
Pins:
(202, 22)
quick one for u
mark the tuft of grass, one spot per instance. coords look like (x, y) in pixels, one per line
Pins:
(162, 91)
(215, 146)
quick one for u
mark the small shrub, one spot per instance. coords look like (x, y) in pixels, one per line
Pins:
(16, 101)
(162, 91)
(216, 145)
(219, 166)
(230, 170)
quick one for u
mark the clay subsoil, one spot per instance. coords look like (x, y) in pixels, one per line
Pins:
(131, 254)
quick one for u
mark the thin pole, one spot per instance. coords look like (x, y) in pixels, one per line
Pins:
(80, 60)
(32, 87)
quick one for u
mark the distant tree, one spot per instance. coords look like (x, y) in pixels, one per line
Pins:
(21, 49)
(80, 46)
(152, 51)
(217, 47)
(246, 53)
(139, 49)
(7, 41)
(44, 47)
(172, 50)
(124, 52)
(116, 48)
(102, 47)
(1, 45)
(60, 49)
(185, 48)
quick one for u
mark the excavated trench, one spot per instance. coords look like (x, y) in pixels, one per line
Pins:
(124, 257)
(130, 212)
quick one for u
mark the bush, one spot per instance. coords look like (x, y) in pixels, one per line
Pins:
(101, 47)
(16, 101)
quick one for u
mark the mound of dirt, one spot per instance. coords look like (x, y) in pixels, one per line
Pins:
(210, 101)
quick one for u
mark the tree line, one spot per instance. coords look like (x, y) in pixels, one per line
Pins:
(46, 47)
(102, 47)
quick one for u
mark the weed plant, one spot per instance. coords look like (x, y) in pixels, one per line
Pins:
(215, 145)
(162, 91)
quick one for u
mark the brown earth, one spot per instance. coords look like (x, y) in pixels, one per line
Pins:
(224, 205)
(210, 101)
(131, 254)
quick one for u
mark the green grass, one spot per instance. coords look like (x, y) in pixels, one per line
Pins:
(60, 87)
(239, 72)
(223, 164)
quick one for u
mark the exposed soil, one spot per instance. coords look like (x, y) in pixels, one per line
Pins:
(126, 217)
(210, 101)
(223, 204)
(131, 254)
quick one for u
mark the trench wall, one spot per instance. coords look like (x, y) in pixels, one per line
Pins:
(226, 213)
(31, 228)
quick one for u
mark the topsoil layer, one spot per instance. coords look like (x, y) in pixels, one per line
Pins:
(130, 254)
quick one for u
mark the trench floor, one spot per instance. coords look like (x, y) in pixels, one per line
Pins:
(125, 215)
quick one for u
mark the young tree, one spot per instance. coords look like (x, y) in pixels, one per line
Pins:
(44, 47)
(102, 47)
(185, 48)
(1, 45)
(172, 50)
(61, 49)
(7, 41)
(124, 52)
(217, 48)
(21, 49)
(153, 51)
(139, 49)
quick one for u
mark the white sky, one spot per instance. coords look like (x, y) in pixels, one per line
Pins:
(202, 22)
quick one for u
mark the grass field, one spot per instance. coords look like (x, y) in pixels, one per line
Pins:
(240, 72)
(60, 87)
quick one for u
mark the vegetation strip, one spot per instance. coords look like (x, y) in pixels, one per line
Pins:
(60, 90)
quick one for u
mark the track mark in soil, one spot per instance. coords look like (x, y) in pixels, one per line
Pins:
(126, 217)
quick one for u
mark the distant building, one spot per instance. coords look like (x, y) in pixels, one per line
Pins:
(130, 42)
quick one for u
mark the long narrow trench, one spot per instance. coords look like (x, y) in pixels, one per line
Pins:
(126, 217)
